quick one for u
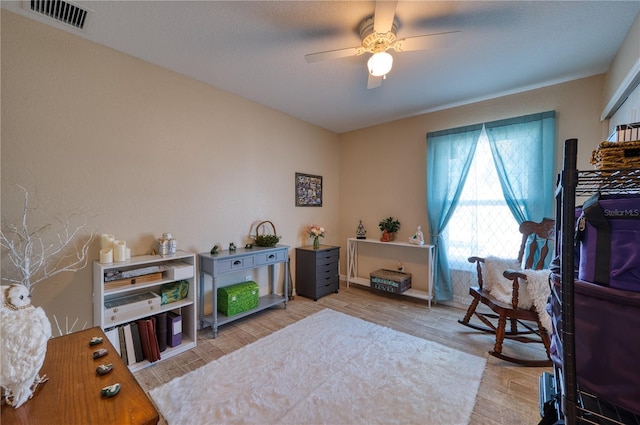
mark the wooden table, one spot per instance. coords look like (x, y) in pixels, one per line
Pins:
(72, 394)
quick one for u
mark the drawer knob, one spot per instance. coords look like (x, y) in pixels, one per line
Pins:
(237, 263)
(271, 257)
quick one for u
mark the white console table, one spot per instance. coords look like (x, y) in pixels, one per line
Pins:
(352, 265)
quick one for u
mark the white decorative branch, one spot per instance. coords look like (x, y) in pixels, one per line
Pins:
(69, 330)
(36, 260)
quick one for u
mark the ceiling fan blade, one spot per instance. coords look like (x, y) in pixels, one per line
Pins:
(431, 41)
(333, 54)
(383, 16)
(374, 82)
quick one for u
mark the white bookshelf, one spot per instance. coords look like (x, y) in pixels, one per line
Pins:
(183, 261)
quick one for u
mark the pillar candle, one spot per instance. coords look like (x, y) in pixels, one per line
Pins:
(119, 250)
(106, 241)
(106, 255)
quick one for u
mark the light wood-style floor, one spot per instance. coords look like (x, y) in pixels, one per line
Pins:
(508, 393)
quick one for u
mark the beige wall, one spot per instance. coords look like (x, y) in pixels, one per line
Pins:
(142, 151)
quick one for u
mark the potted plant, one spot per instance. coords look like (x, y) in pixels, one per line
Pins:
(389, 227)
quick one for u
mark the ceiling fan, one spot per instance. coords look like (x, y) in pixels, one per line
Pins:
(378, 34)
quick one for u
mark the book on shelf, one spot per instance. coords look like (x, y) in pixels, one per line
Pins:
(137, 344)
(161, 330)
(174, 329)
(149, 339)
(114, 338)
(153, 339)
(123, 346)
(128, 340)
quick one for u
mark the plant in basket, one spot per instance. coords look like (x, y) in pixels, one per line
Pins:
(265, 239)
(314, 231)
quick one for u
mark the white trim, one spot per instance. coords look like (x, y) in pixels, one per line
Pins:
(626, 87)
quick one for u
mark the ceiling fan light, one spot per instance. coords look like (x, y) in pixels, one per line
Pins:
(380, 64)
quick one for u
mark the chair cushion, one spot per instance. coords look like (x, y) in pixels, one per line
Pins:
(500, 287)
(534, 291)
(539, 289)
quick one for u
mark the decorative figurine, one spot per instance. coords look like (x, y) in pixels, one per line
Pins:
(111, 390)
(103, 369)
(232, 247)
(214, 250)
(95, 341)
(248, 246)
(100, 353)
(25, 332)
(171, 243)
(400, 266)
(418, 238)
(361, 233)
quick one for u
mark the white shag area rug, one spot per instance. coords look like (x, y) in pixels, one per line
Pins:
(328, 368)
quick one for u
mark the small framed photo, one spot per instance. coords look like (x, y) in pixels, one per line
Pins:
(308, 190)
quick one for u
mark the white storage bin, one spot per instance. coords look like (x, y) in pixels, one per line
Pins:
(179, 271)
(122, 309)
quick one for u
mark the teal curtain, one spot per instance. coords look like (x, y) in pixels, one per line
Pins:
(449, 156)
(523, 153)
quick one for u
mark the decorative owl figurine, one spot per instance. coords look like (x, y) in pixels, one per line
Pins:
(25, 331)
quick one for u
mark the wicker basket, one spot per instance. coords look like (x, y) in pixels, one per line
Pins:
(266, 239)
(616, 155)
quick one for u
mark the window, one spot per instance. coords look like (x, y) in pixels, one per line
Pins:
(482, 223)
(512, 158)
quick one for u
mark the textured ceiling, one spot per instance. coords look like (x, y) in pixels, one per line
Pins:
(256, 50)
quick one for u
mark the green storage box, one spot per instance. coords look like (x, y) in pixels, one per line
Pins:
(238, 298)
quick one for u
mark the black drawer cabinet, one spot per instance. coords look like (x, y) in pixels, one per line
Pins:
(317, 271)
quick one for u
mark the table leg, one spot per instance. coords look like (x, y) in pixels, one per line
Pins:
(286, 283)
(201, 301)
(214, 296)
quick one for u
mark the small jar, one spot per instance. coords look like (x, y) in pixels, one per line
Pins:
(163, 246)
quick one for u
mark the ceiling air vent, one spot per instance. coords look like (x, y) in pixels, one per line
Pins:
(62, 11)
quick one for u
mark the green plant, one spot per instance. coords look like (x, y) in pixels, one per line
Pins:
(389, 224)
(267, 240)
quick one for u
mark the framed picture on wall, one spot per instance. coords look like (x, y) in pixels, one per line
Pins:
(308, 190)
